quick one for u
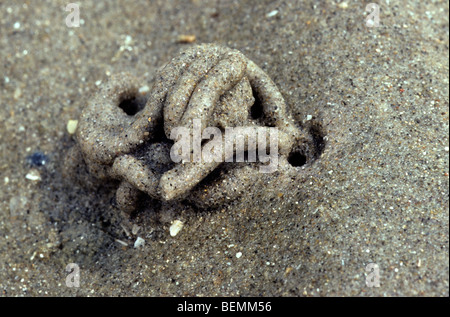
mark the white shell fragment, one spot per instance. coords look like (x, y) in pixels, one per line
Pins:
(272, 13)
(144, 89)
(139, 242)
(176, 226)
(72, 126)
(33, 175)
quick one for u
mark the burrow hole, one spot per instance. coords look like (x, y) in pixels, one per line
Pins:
(311, 151)
(132, 105)
(256, 111)
(297, 159)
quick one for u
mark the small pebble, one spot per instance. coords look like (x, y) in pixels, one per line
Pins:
(17, 25)
(176, 226)
(122, 242)
(239, 254)
(72, 126)
(186, 38)
(17, 93)
(139, 242)
(144, 89)
(33, 175)
(272, 13)
(128, 40)
(135, 229)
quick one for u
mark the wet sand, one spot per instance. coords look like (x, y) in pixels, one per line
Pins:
(379, 192)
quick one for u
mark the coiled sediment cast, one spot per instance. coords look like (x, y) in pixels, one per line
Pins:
(213, 84)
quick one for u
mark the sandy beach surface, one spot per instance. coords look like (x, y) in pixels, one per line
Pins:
(372, 208)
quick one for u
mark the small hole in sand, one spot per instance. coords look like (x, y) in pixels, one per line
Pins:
(297, 159)
(131, 106)
(256, 111)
